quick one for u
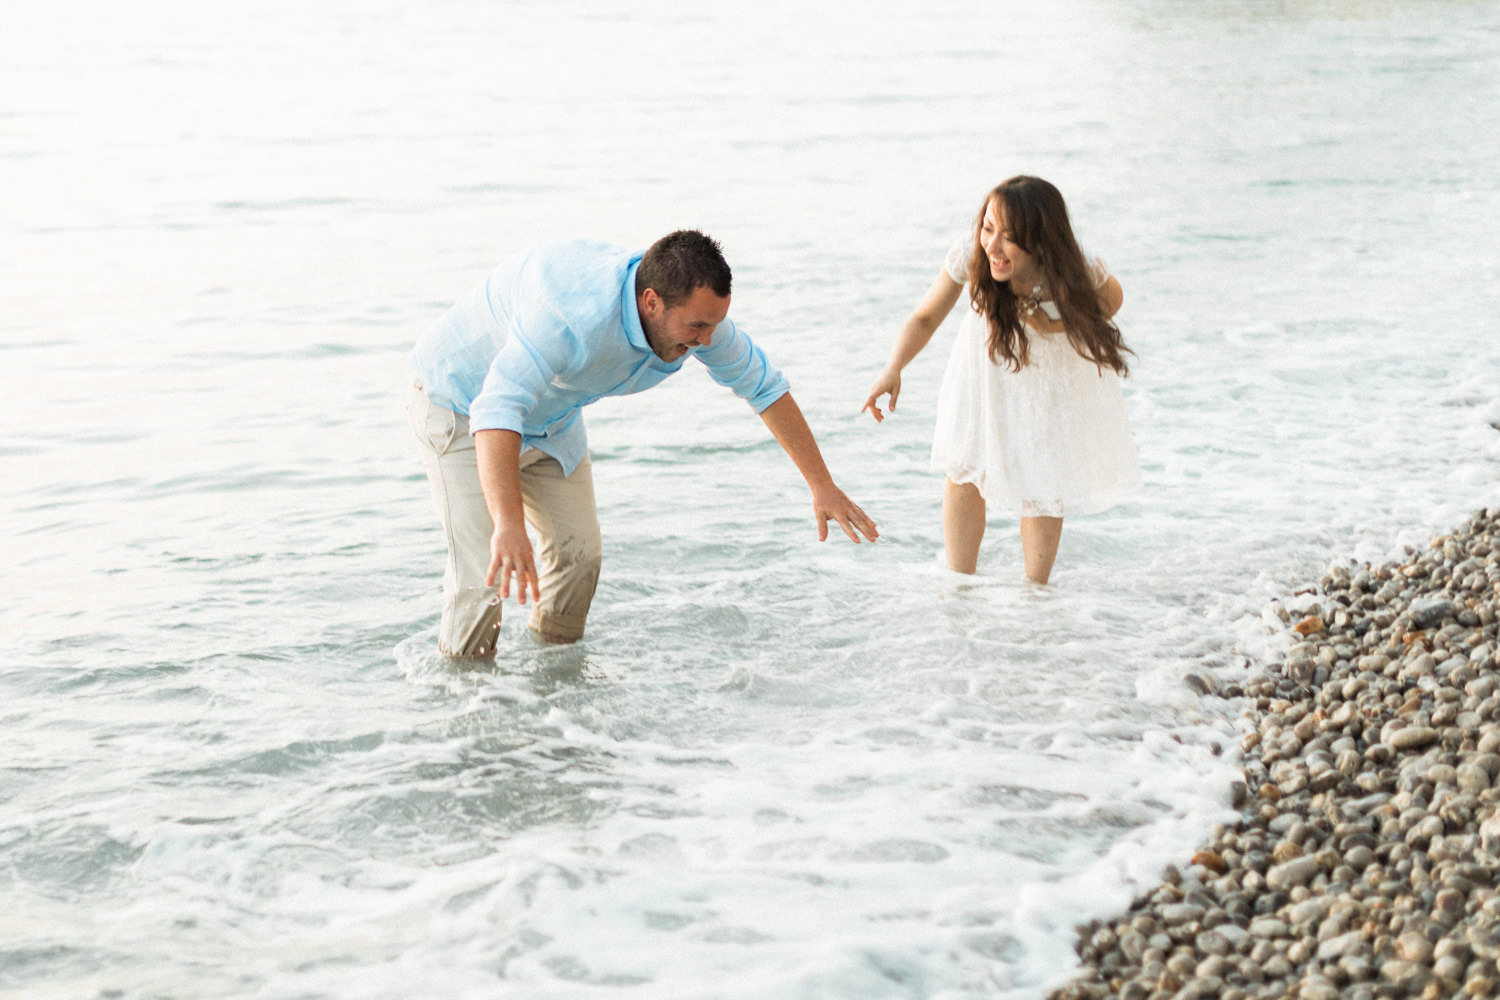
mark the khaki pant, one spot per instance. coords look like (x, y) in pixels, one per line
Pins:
(559, 509)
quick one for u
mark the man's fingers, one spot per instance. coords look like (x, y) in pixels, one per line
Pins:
(525, 571)
(852, 520)
(856, 520)
(865, 525)
(525, 576)
(503, 567)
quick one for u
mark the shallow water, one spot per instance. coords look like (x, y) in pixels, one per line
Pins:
(233, 764)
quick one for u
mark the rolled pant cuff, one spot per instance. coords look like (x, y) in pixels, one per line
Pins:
(557, 628)
(471, 623)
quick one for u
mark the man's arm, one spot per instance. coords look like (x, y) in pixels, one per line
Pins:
(789, 427)
(499, 456)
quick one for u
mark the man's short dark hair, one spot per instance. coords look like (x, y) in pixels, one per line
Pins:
(680, 262)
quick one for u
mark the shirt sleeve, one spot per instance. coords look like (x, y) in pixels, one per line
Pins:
(735, 361)
(957, 262)
(517, 378)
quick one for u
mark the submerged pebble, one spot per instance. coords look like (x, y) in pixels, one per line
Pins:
(1366, 859)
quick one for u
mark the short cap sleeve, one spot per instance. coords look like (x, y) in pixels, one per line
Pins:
(1098, 270)
(957, 262)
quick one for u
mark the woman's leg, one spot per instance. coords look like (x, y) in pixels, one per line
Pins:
(963, 525)
(1039, 538)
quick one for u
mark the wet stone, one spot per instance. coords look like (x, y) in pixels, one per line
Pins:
(1309, 910)
(1298, 871)
(1430, 612)
(1366, 861)
(1318, 988)
(1336, 948)
(1177, 914)
(1268, 927)
(1412, 738)
(1471, 778)
(1402, 972)
(1414, 946)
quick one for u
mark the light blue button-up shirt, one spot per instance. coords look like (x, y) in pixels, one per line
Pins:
(553, 329)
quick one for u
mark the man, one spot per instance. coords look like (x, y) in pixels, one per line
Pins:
(501, 379)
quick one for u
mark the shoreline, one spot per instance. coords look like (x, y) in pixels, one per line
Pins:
(1364, 862)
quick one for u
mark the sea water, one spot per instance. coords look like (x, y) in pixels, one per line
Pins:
(232, 763)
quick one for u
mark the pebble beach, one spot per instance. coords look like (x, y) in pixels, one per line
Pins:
(1366, 855)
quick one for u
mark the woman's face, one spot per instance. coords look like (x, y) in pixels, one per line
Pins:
(1007, 260)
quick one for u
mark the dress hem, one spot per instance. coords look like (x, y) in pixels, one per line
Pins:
(1080, 506)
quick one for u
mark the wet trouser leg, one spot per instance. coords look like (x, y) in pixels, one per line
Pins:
(560, 510)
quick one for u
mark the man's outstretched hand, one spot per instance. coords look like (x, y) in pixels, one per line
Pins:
(832, 504)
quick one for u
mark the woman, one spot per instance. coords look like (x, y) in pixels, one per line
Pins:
(1030, 414)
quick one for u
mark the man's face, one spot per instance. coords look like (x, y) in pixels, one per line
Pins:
(690, 323)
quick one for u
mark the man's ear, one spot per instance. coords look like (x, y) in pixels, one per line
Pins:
(650, 301)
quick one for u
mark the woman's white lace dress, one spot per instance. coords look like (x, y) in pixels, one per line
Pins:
(1050, 440)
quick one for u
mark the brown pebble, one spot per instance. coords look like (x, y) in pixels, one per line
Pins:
(1286, 851)
(1310, 625)
(1212, 861)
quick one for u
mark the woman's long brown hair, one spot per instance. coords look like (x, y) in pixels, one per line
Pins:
(1037, 218)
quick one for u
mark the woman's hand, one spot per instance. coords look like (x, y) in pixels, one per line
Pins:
(889, 383)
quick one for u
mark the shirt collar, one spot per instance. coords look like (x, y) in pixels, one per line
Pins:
(632, 313)
(634, 332)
